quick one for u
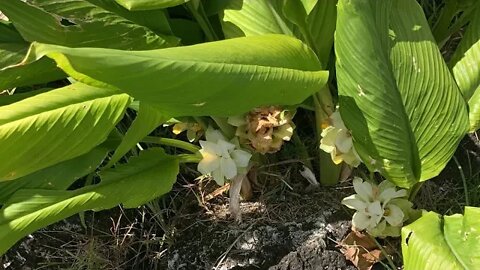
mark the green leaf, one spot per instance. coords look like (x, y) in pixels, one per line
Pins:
(156, 20)
(147, 120)
(218, 78)
(42, 71)
(466, 68)
(396, 93)
(255, 17)
(78, 23)
(474, 110)
(56, 177)
(296, 12)
(144, 178)
(41, 131)
(430, 243)
(321, 27)
(9, 99)
(149, 4)
(12, 51)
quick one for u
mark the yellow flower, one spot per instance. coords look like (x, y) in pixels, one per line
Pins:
(337, 140)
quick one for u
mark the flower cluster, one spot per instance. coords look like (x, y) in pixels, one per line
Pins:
(221, 158)
(337, 140)
(194, 130)
(381, 210)
(264, 129)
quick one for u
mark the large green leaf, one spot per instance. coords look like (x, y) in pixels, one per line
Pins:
(12, 51)
(218, 78)
(466, 68)
(9, 99)
(155, 20)
(149, 176)
(55, 126)
(78, 23)
(149, 4)
(451, 243)
(396, 92)
(56, 177)
(255, 17)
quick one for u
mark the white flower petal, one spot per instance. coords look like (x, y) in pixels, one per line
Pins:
(225, 147)
(394, 215)
(213, 135)
(329, 135)
(218, 177)
(361, 220)
(337, 120)
(336, 158)
(228, 167)
(343, 142)
(375, 208)
(209, 163)
(241, 157)
(354, 202)
(385, 185)
(363, 189)
(351, 158)
(391, 193)
(386, 195)
(210, 147)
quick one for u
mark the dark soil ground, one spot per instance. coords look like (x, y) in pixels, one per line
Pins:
(287, 225)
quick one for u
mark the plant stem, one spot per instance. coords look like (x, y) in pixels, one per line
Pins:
(189, 158)
(329, 171)
(201, 18)
(390, 261)
(414, 191)
(172, 142)
(464, 180)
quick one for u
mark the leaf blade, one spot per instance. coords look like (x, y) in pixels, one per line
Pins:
(19, 217)
(386, 82)
(73, 119)
(194, 80)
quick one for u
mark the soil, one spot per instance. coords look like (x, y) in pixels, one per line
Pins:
(299, 231)
(303, 239)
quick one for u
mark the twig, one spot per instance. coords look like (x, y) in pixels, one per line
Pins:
(464, 180)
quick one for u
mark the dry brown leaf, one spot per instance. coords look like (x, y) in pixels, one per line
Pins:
(361, 250)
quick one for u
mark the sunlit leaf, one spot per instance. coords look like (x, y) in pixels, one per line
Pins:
(149, 4)
(56, 126)
(466, 68)
(194, 80)
(396, 93)
(451, 243)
